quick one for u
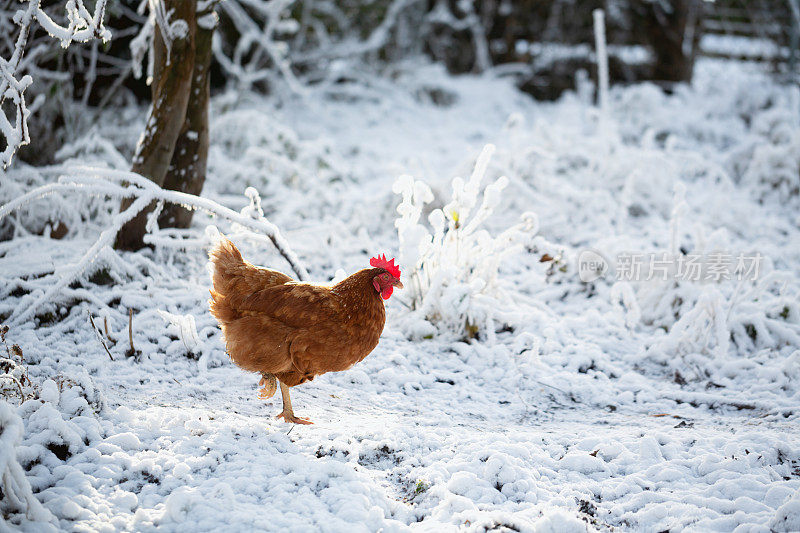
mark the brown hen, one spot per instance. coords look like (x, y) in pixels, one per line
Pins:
(294, 331)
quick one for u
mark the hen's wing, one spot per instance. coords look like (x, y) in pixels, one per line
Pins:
(293, 320)
(293, 304)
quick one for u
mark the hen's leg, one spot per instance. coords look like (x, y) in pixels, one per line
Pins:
(288, 413)
(270, 385)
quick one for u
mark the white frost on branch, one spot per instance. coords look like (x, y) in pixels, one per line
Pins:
(186, 326)
(140, 46)
(268, 53)
(82, 26)
(122, 184)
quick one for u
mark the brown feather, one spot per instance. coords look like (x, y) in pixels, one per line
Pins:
(293, 330)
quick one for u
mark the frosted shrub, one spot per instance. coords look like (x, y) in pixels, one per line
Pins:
(714, 320)
(17, 494)
(722, 323)
(14, 379)
(453, 263)
(773, 171)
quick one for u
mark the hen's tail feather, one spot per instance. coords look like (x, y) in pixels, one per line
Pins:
(234, 278)
(227, 262)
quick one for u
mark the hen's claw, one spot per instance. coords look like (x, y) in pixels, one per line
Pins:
(270, 386)
(289, 417)
(265, 394)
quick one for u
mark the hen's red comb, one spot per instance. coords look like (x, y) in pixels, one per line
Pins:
(381, 262)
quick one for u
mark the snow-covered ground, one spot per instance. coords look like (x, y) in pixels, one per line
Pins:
(608, 405)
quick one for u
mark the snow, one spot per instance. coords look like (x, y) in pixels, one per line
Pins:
(788, 516)
(741, 46)
(610, 405)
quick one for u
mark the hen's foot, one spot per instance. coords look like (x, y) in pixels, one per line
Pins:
(270, 386)
(289, 417)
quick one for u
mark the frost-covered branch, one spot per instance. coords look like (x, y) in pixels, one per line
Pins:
(72, 272)
(257, 51)
(377, 39)
(82, 26)
(442, 15)
(122, 184)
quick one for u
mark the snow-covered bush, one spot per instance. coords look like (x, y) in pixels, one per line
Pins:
(709, 319)
(14, 380)
(772, 170)
(17, 494)
(253, 148)
(38, 439)
(454, 263)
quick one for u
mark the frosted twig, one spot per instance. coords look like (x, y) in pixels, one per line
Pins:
(18, 384)
(75, 270)
(262, 37)
(131, 351)
(82, 27)
(97, 332)
(140, 45)
(107, 182)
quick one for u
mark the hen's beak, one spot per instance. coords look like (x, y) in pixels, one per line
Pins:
(397, 284)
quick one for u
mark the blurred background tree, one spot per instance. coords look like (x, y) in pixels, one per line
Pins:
(284, 47)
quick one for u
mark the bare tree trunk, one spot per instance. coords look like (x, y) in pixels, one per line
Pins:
(674, 35)
(171, 92)
(187, 171)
